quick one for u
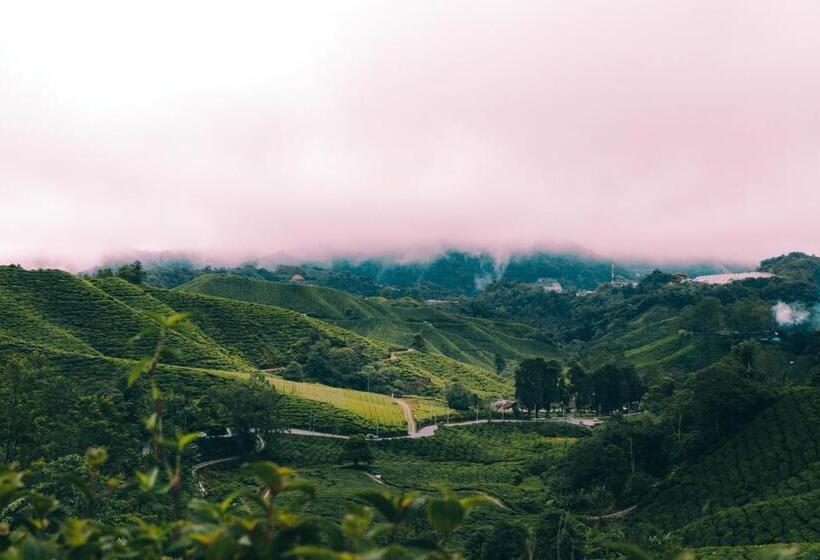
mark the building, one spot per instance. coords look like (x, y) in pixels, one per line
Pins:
(550, 285)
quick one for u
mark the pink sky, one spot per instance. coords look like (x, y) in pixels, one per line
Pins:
(668, 130)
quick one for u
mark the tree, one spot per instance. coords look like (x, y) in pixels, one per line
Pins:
(356, 450)
(751, 316)
(250, 408)
(133, 272)
(614, 387)
(458, 396)
(581, 386)
(528, 390)
(551, 390)
(632, 388)
(272, 358)
(500, 364)
(507, 541)
(705, 317)
(293, 371)
(724, 396)
(558, 537)
(418, 343)
(592, 462)
(536, 383)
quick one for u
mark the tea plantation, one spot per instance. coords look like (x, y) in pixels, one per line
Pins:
(466, 339)
(759, 486)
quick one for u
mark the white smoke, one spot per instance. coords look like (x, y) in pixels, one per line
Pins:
(790, 315)
(484, 280)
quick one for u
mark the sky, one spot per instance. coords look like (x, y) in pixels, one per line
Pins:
(304, 130)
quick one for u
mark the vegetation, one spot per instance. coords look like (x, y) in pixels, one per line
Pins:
(169, 443)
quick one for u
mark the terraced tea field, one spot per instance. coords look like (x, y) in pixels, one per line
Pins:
(370, 406)
(760, 486)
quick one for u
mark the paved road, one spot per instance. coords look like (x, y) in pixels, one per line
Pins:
(430, 431)
(412, 433)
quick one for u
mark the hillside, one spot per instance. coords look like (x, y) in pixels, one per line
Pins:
(467, 339)
(760, 486)
(54, 310)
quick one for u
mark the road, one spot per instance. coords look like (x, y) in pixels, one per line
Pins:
(412, 433)
(408, 416)
(430, 431)
(260, 445)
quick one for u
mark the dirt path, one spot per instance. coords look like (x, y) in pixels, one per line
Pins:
(374, 478)
(408, 416)
(614, 515)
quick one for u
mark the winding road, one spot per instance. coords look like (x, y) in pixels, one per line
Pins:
(412, 433)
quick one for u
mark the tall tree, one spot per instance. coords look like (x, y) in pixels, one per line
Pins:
(356, 450)
(581, 386)
(133, 272)
(536, 383)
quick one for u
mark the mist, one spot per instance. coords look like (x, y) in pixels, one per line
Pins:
(661, 131)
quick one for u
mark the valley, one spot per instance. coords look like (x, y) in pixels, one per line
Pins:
(666, 413)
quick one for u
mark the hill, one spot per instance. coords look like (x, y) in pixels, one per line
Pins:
(53, 310)
(760, 486)
(471, 340)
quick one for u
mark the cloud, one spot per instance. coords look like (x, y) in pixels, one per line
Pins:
(662, 130)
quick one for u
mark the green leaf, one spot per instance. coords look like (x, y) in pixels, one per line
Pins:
(445, 514)
(357, 520)
(270, 474)
(381, 503)
(317, 553)
(139, 368)
(171, 321)
(185, 440)
(147, 480)
(470, 502)
(96, 457)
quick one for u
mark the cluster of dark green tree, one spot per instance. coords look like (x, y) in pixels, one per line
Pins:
(685, 417)
(130, 272)
(542, 385)
(339, 363)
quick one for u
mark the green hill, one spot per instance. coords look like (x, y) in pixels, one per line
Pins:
(56, 312)
(467, 339)
(760, 486)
